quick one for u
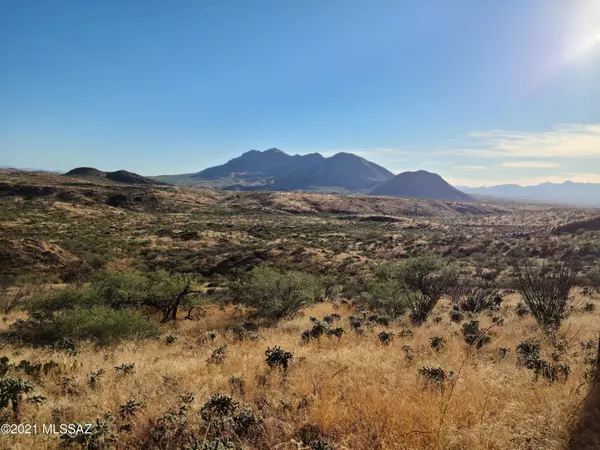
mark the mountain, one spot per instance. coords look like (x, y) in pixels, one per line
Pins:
(28, 169)
(251, 163)
(119, 176)
(276, 170)
(585, 194)
(342, 169)
(420, 184)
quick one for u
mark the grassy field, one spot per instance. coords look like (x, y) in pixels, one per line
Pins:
(388, 383)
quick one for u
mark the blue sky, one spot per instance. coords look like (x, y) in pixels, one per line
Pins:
(480, 92)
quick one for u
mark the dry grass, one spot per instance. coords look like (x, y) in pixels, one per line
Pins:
(361, 394)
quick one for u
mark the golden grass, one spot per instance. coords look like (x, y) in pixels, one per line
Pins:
(361, 394)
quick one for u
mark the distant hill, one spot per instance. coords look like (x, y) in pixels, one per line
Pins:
(273, 169)
(119, 176)
(585, 194)
(28, 169)
(420, 184)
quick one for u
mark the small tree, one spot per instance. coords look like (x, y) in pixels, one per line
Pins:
(546, 289)
(275, 295)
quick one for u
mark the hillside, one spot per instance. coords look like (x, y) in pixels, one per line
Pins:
(420, 184)
(94, 283)
(119, 176)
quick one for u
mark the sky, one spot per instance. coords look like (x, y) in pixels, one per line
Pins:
(480, 92)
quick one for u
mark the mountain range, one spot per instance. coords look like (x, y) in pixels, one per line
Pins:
(273, 169)
(568, 193)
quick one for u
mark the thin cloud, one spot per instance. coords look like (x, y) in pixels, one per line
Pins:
(529, 164)
(470, 167)
(564, 141)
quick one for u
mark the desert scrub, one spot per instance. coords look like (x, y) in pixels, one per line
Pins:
(437, 342)
(277, 357)
(547, 289)
(275, 295)
(426, 280)
(100, 325)
(474, 299)
(473, 336)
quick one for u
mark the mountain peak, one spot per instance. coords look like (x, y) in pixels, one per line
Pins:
(421, 184)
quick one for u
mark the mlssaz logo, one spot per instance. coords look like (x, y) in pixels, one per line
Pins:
(68, 428)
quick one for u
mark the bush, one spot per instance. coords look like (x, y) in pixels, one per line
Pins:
(474, 336)
(385, 296)
(474, 299)
(277, 357)
(275, 295)
(385, 337)
(101, 325)
(593, 280)
(437, 342)
(546, 290)
(427, 279)
(117, 290)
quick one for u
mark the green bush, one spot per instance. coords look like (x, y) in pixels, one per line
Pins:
(385, 296)
(275, 295)
(98, 324)
(416, 284)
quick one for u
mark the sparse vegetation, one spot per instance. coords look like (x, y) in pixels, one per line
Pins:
(151, 319)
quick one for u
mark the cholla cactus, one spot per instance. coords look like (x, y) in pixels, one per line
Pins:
(12, 391)
(385, 337)
(277, 357)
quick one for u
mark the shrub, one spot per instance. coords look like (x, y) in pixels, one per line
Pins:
(474, 336)
(474, 299)
(101, 436)
(94, 378)
(130, 408)
(12, 391)
(427, 279)
(385, 296)
(170, 339)
(550, 371)
(498, 321)
(435, 377)
(99, 324)
(546, 290)
(528, 350)
(219, 405)
(218, 355)
(437, 343)
(593, 280)
(337, 332)
(125, 369)
(275, 295)
(385, 337)
(409, 353)
(277, 357)
(589, 307)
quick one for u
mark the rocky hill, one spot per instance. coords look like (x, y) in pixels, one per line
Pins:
(119, 176)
